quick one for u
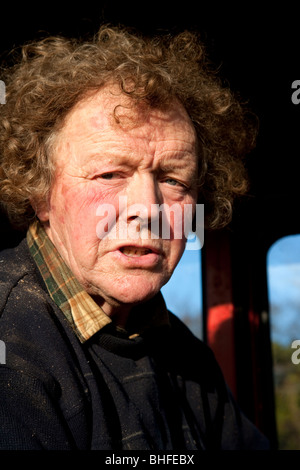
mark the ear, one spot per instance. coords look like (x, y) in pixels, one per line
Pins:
(41, 209)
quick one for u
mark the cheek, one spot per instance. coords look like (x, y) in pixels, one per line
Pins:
(81, 208)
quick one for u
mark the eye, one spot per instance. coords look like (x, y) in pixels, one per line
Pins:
(175, 183)
(107, 176)
(171, 182)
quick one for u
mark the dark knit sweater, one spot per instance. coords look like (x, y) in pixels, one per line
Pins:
(161, 391)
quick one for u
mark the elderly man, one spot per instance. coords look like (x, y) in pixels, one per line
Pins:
(94, 360)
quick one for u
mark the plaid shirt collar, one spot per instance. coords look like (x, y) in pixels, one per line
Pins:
(82, 312)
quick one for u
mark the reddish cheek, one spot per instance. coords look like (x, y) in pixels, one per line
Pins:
(78, 205)
(84, 209)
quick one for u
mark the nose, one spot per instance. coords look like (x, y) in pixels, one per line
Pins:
(143, 198)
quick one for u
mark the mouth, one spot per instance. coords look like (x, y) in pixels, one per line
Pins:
(135, 251)
(139, 256)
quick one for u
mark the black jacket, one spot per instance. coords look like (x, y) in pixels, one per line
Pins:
(162, 391)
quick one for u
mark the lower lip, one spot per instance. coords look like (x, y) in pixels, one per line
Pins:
(149, 260)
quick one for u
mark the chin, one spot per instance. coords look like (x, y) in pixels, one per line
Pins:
(139, 293)
(134, 298)
(128, 289)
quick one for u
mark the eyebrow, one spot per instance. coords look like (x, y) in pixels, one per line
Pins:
(173, 164)
(166, 162)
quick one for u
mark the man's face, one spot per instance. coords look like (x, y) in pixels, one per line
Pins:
(148, 158)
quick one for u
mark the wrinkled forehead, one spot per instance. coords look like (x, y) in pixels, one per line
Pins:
(111, 109)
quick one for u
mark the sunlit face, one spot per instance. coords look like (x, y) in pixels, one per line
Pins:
(147, 158)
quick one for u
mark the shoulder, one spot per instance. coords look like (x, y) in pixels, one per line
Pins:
(34, 330)
(16, 269)
(21, 289)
